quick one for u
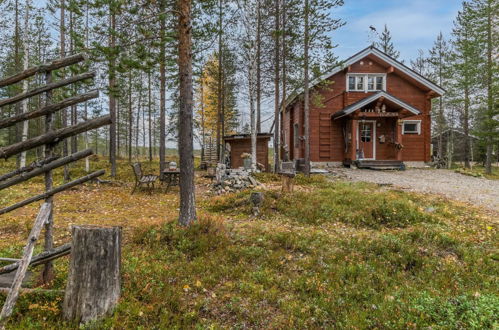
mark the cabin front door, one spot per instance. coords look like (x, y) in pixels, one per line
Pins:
(366, 140)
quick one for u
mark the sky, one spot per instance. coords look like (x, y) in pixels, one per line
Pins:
(414, 24)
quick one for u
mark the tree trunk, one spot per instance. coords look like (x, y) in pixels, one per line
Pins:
(149, 102)
(17, 64)
(490, 97)
(440, 127)
(258, 68)
(130, 116)
(283, 78)
(94, 280)
(276, 87)
(187, 197)
(48, 270)
(162, 99)
(306, 92)
(24, 135)
(64, 112)
(466, 128)
(112, 97)
(219, 87)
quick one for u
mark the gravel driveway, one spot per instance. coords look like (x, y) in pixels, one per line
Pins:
(478, 191)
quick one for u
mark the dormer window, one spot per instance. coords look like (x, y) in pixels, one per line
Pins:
(366, 82)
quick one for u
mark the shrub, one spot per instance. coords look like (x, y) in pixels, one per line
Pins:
(351, 205)
(206, 234)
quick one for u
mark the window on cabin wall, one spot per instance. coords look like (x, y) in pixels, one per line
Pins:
(411, 127)
(366, 82)
(296, 137)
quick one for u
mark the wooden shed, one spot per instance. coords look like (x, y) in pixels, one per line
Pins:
(238, 144)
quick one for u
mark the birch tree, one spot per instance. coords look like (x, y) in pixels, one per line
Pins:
(26, 35)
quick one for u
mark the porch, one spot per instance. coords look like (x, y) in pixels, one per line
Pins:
(372, 131)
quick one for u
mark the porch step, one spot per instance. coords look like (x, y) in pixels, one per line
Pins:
(381, 164)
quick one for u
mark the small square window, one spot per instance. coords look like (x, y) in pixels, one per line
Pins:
(411, 127)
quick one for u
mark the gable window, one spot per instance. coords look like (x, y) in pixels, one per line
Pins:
(366, 82)
(411, 127)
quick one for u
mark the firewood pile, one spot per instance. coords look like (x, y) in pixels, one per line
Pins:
(231, 180)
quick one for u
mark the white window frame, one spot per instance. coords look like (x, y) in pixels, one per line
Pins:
(418, 125)
(365, 84)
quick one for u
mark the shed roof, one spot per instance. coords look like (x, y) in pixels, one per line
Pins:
(247, 136)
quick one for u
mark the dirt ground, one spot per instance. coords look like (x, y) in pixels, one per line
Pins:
(478, 191)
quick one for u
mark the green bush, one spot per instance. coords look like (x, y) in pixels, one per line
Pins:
(351, 205)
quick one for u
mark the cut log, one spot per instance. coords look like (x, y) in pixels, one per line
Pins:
(45, 168)
(28, 168)
(24, 263)
(41, 258)
(54, 65)
(54, 136)
(45, 88)
(51, 108)
(52, 192)
(94, 280)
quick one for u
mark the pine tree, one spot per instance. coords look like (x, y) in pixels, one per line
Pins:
(465, 72)
(438, 61)
(385, 43)
(485, 15)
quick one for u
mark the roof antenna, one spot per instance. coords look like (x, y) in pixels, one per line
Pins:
(371, 35)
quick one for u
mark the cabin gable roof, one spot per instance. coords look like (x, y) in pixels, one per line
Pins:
(373, 51)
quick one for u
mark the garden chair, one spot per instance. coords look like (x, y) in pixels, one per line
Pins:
(143, 179)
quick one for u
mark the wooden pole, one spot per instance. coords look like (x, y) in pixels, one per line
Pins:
(45, 168)
(94, 281)
(24, 263)
(54, 136)
(28, 168)
(54, 65)
(46, 88)
(52, 192)
(41, 258)
(49, 109)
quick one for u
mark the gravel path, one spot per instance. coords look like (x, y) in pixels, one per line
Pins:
(478, 191)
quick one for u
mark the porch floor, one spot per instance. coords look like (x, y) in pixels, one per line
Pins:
(381, 164)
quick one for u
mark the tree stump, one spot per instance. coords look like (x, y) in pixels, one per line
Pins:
(287, 183)
(256, 199)
(94, 281)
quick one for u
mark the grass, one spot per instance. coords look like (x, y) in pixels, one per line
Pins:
(329, 255)
(479, 171)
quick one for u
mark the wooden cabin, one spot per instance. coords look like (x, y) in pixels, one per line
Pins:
(238, 144)
(371, 111)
